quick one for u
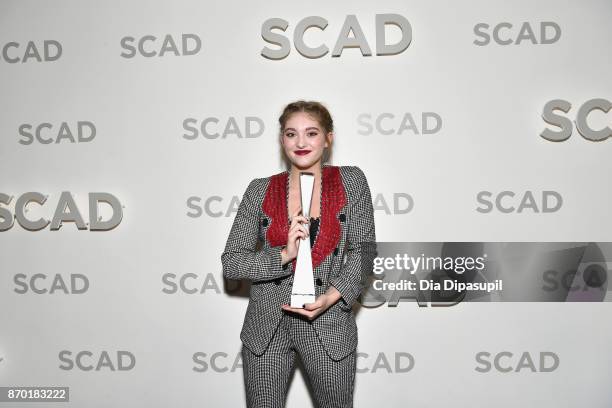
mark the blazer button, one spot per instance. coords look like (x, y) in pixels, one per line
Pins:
(264, 222)
(319, 282)
(336, 251)
(342, 217)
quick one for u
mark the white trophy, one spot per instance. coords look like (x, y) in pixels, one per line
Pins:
(303, 290)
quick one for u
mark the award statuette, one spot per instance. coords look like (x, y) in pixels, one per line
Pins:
(303, 290)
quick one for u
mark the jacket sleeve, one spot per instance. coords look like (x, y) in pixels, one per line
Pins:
(361, 245)
(240, 259)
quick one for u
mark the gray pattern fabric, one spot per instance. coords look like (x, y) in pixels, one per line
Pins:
(347, 269)
(266, 377)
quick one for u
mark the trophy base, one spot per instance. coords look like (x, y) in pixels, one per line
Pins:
(299, 300)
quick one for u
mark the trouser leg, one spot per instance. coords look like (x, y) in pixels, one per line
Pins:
(332, 381)
(266, 377)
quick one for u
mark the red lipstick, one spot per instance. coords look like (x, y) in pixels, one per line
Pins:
(302, 152)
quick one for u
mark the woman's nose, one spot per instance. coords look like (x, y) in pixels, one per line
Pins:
(301, 141)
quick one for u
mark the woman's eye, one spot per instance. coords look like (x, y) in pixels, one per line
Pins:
(289, 134)
(313, 134)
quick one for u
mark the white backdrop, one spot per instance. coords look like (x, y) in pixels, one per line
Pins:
(178, 189)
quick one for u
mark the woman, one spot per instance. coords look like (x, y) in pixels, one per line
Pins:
(324, 332)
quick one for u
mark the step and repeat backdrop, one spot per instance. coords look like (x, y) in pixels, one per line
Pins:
(130, 131)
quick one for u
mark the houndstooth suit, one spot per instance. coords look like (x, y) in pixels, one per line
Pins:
(342, 254)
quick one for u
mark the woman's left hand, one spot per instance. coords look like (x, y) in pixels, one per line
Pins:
(311, 310)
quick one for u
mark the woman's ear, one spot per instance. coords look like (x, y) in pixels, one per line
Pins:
(329, 139)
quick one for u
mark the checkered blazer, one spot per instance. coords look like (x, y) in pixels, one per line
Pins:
(343, 255)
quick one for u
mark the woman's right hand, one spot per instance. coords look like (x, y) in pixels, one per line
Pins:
(298, 230)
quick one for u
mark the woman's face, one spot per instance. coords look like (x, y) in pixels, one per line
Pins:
(304, 140)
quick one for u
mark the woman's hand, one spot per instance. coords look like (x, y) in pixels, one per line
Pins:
(312, 310)
(297, 231)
